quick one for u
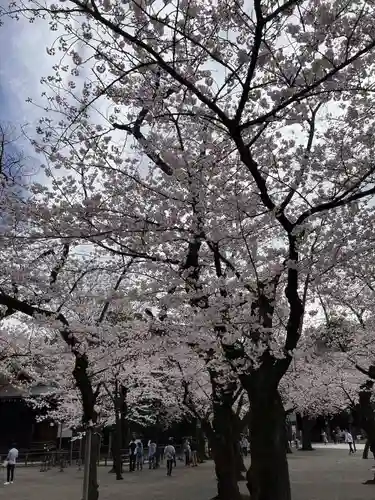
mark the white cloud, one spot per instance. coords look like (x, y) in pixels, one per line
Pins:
(23, 61)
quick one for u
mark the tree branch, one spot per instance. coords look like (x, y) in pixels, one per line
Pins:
(253, 60)
(157, 57)
(298, 96)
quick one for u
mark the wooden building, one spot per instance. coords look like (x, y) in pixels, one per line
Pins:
(18, 419)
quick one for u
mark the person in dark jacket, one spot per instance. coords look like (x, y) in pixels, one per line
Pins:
(132, 455)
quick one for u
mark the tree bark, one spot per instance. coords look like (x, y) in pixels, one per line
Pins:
(367, 415)
(237, 428)
(124, 416)
(268, 475)
(117, 441)
(201, 445)
(89, 418)
(116, 449)
(227, 486)
(222, 436)
(93, 474)
(223, 454)
(306, 433)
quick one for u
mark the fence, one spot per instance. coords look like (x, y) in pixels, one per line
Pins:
(64, 458)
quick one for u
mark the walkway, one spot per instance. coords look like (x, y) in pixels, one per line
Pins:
(323, 474)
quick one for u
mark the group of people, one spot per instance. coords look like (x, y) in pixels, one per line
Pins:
(136, 454)
(190, 452)
(339, 436)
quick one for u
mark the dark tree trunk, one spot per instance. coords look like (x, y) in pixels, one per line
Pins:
(88, 396)
(93, 474)
(227, 486)
(116, 442)
(366, 450)
(221, 442)
(307, 425)
(116, 449)
(119, 400)
(268, 476)
(112, 470)
(367, 415)
(124, 416)
(201, 445)
(222, 436)
(238, 426)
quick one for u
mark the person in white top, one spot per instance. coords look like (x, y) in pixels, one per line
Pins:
(170, 454)
(11, 464)
(324, 437)
(349, 440)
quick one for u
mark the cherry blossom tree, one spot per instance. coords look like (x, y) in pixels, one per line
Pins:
(256, 146)
(67, 293)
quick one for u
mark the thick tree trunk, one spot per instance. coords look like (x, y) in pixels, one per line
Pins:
(124, 416)
(93, 474)
(119, 400)
(367, 415)
(116, 449)
(221, 437)
(268, 476)
(307, 424)
(201, 445)
(225, 467)
(238, 426)
(227, 486)
(88, 396)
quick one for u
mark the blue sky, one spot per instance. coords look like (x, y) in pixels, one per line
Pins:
(22, 64)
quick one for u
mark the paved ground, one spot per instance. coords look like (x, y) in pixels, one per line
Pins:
(324, 474)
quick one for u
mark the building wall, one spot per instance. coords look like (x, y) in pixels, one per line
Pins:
(18, 424)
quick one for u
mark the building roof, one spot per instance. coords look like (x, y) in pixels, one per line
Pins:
(10, 391)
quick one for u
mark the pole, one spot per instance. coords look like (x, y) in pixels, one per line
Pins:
(100, 449)
(109, 445)
(80, 453)
(71, 451)
(86, 470)
(61, 433)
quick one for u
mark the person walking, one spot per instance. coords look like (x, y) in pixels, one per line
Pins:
(139, 455)
(194, 453)
(132, 455)
(187, 452)
(349, 440)
(324, 437)
(11, 464)
(170, 455)
(151, 454)
(334, 436)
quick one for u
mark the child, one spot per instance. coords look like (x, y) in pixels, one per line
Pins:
(349, 440)
(324, 437)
